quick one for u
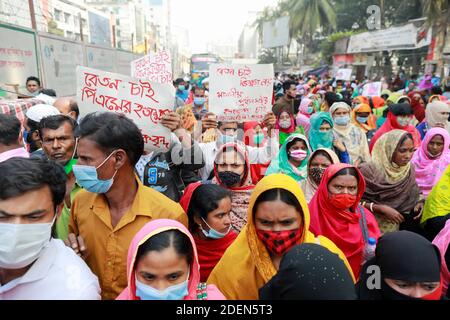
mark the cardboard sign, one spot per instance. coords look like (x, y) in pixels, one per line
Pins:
(372, 89)
(240, 92)
(142, 101)
(344, 74)
(155, 67)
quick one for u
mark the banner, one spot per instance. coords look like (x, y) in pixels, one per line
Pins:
(344, 74)
(142, 101)
(60, 59)
(155, 67)
(372, 89)
(276, 33)
(240, 92)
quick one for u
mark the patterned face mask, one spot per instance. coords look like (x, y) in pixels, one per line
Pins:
(316, 174)
(278, 242)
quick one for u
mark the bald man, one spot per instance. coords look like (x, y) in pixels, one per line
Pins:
(67, 106)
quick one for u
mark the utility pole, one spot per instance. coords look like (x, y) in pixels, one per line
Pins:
(32, 14)
(81, 27)
(132, 42)
(114, 35)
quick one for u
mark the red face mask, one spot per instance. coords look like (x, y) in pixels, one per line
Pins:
(278, 242)
(343, 201)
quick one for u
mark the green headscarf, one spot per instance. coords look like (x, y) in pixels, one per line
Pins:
(319, 139)
(281, 163)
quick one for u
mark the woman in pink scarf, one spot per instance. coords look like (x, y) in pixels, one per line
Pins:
(161, 240)
(431, 159)
(304, 113)
(442, 241)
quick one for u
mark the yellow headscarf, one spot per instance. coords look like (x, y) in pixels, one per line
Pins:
(438, 201)
(246, 265)
(382, 153)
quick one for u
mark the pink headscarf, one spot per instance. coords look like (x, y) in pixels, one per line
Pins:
(429, 170)
(442, 241)
(303, 121)
(155, 227)
(303, 109)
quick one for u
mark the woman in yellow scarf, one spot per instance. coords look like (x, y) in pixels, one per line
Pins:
(250, 262)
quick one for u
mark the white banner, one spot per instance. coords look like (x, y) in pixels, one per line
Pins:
(18, 58)
(142, 101)
(156, 67)
(240, 92)
(276, 33)
(372, 89)
(395, 38)
(60, 59)
(344, 74)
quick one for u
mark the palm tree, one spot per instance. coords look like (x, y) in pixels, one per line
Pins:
(438, 15)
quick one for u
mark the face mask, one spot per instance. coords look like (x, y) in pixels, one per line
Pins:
(362, 119)
(181, 88)
(199, 101)
(298, 154)
(402, 121)
(343, 201)
(224, 139)
(88, 179)
(310, 110)
(342, 121)
(316, 174)
(175, 292)
(22, 244)
(258, 138)
(229, 178)
(278, 242)
(285, 124)
(212, 233)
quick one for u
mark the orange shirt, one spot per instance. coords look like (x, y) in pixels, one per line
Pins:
(107, 247)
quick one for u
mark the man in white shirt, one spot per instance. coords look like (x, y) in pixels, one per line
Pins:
(34, 265)
(228, 131)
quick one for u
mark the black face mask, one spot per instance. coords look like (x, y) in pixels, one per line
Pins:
(316, 174)
(229, 178)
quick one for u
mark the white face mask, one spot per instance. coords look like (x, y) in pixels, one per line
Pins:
(22, 244)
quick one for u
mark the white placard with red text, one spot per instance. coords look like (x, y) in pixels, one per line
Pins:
(155, 67)
(142, 101)
(344, 74)
(239, 92)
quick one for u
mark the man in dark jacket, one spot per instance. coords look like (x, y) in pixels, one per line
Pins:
(286, 102)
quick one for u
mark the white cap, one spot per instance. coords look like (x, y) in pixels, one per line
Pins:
(206, 80)
(39, 111)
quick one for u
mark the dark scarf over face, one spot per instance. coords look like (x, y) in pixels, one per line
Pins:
(401, 255)
(305, 273)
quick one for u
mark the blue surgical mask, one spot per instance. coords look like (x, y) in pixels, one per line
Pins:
(199, 101)
(88, 179)
(227, 139)
(342, 121)
(403, 121)
(362, 119)
(212, 233)
(175, 292)
(181, 88)
(310, 110)
(258, 138)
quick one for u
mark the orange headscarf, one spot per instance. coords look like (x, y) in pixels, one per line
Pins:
(371, 122)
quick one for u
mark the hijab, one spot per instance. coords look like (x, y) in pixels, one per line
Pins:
(246, 266)
(433, 116)
(418, 109)
(149, 230)
(442, 241)
(239, 195)
(209, 250)
(404, 256)
(319, 139)
(438, 201)
(429, 170)
(304, 274)
(304, 104)
(371, 123)
(308, 186)
(289, 130)
(392, 124)
(342, 226)
(281, 163)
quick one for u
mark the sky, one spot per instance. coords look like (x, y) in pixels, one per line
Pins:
(220, 21)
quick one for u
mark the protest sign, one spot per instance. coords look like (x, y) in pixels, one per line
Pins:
(155, 67)
(344, 74)
(372, 89)
(240, 92)
(142, 101)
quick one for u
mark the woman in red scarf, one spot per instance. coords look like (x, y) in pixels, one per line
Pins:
(286, 126)
(208, 207)
(417, 105)
(256, 136)
(399, 117)
(336, 214)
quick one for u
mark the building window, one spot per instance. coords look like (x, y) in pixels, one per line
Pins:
(66, 17)
(58, 15)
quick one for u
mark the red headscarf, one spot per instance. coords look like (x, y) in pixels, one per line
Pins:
(209, 251)
(342, 226)
(289, 130)
(418, 109)
(392, 124)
